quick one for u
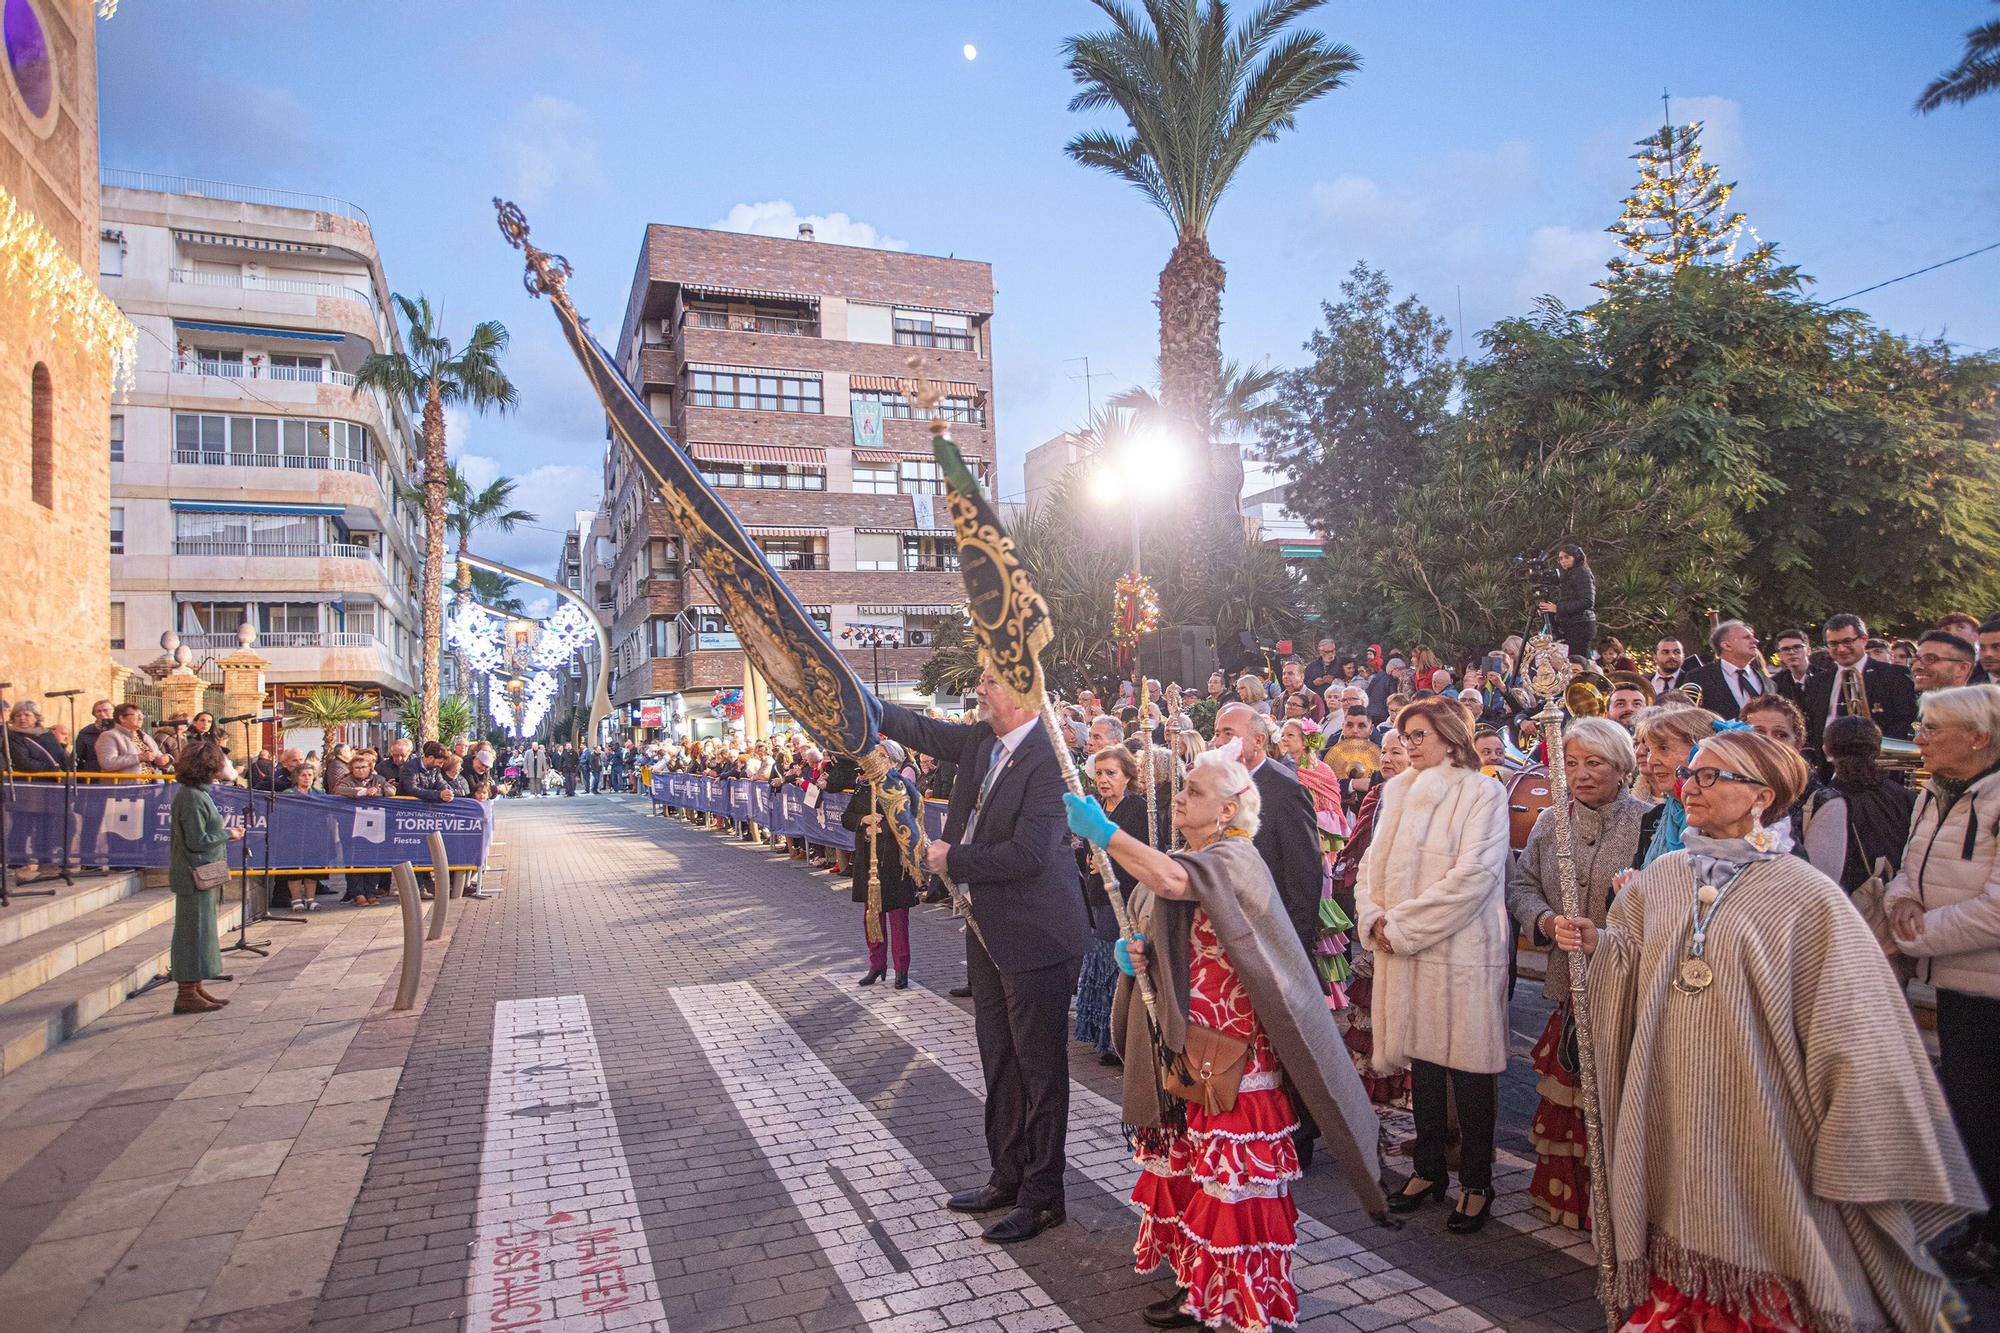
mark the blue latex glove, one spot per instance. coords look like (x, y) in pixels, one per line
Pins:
(1121, 953)
(1087, 820)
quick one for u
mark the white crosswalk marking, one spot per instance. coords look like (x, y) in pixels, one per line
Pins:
(560, 1246)
(1328, 1267)
(904, 1262)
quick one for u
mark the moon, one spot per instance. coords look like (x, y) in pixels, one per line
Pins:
(971, 51)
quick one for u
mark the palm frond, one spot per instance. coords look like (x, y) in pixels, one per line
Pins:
(1976, 74)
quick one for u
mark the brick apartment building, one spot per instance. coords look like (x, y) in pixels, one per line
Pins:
(777, 363)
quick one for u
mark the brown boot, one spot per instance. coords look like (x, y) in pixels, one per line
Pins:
(216, 1000)
(191, 1001)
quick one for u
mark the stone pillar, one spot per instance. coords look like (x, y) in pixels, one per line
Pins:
(180, 693)
(243, 692)
(119, 675)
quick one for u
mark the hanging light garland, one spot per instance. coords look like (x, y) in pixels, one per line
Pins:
(1135, 610)
(563, 635)
(473, 630)
(59, 294)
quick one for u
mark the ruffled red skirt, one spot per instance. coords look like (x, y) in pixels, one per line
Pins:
(1670, 1310)
(1357, 1031)
(1216, 1208)
(1561, 1187)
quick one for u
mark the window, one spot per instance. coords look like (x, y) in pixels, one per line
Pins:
(874, 481)
(272, 442)
(117, 529)
(286, 366)
(42, 436)
(929, 553)
(118, 624)
(662, 555)
(775, 392)
(214, 617)
(792, 552)
(877, 551)
(213, 361)
(922, 478)
(111, 254)
(764, 476)
(360, 620)
(255, 534)
(663, 637)
(916, 331)
(118, 437)
(288, 617)
(955, 407)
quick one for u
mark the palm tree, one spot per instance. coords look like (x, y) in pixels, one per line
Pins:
(467, 511)
(329, 710)
(1198, 93)
(1976, 73)
(428, 378)
(1241, 406)
(497, 592)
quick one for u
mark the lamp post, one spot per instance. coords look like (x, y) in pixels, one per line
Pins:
(874, 638)
(1137, 471)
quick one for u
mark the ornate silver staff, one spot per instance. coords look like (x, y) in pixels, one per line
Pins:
(1146, 768)
(1551, 676)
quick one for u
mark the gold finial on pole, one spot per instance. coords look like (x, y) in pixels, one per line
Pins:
(547, 274)
(925, 394)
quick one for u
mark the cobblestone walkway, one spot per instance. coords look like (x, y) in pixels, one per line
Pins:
(781, 1136)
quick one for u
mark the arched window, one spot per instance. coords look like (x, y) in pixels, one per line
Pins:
(42, 437)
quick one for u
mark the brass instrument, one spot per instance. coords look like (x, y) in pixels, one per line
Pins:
(1585, 698)
(1689, 691)
(1854, 690)
(1633, 680)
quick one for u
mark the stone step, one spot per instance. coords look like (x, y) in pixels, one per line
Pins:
(25, 916)
(54, 1011)
(61, 945)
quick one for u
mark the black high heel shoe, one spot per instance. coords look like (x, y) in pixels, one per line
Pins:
(1462, 1223)
(874, 975)
(902, 980)
(1410, 1200)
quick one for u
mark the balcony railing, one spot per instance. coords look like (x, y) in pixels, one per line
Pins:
(237, 370)
(790, 325)
(293, 286)
(307, 638)
(272, 550)
(930, 564)
(223, 458)
(242, 194)
(788, 560)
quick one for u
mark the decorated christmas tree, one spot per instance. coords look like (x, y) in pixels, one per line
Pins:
(1678, 214)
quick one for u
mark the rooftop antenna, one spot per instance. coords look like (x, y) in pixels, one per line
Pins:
(1089, 396)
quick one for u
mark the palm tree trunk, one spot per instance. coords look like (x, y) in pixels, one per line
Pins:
(1190, 305)
(433, 582)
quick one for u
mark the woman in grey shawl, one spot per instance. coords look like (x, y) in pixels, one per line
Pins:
(1215, 1191)
(1777, 1148)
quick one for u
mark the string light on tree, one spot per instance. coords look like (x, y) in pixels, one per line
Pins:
(1677, 214)
(1135, 610)
(49, 290)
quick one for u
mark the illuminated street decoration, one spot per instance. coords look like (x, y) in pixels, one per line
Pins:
(521, 705)
(474, 631)
(563, 636)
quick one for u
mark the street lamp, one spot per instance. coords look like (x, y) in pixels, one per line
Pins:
(874, 638)
(1136, 472)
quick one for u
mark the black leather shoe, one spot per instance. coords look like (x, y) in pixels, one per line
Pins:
(985, 1199)
(902, 981)
(873, 976)
(1166, 1312)
(961, 992)
(1462, 1223)
(1025, 1224)
(1410, 1200)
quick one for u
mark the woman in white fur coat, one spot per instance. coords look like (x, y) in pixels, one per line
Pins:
(1432, 905)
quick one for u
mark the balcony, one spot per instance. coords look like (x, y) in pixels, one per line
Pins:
(312, 638)
(791, 326)
(221, 458)
(790, 560)
(236, 370)
(292, 286)
(272, 550)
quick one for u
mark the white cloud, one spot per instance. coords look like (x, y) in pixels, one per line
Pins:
(553, 492)
(778, 217)
(548, 145)
(1563, 263)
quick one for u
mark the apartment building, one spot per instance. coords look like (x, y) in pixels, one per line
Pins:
(584, 568)
(779, 363)
(251, 480)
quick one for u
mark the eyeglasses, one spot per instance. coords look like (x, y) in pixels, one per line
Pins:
(1705, 778)
(1847, 641)
(1415, 737)
(1940, 659)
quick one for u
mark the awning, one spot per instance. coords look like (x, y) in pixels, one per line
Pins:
(360, 518)
(753, 293)
(255, 331)
(891, 384)
(873, 457)
(253, 507)
(758, 530)
(780, 372)
(910, 610)
(789, 455)
(913, 532)
(940, 310)
(247, 242)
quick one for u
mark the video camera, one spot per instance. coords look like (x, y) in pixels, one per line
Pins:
(1542, 570)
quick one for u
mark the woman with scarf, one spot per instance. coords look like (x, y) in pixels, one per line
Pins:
(1214, 1194)
(1121, 793)
(1778, 1149)
(1663, 738)
(1604, 837)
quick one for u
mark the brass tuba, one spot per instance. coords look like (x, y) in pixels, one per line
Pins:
(1585, 698)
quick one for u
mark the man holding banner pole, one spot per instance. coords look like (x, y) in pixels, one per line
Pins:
(1005, 844)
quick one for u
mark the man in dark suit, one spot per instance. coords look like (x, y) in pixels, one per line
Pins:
(1890, 694)
(1670, 665)
(1007, 841)
(1734, 674)
(1795, 672)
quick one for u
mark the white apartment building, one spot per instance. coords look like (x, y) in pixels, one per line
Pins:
(250, 479)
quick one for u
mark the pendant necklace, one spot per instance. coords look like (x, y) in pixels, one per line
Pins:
(1694, 974)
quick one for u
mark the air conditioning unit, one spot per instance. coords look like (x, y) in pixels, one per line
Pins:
(919, 638)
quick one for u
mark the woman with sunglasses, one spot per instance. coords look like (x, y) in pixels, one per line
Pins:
(1778, 1149)
(1431, 901)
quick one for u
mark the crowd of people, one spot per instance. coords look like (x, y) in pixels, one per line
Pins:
(1768, 850)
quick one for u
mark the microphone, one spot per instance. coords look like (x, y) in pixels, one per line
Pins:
(61, 694)
(174, 724)
(243, 717)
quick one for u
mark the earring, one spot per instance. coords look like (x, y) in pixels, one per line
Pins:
(1762, 838)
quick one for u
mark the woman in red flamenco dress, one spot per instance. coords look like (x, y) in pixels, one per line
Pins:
(1214, 1191)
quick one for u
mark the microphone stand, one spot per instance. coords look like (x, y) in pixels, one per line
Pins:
(69, 782)
(270, 817)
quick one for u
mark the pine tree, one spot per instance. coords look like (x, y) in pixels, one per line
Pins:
(1678, 214)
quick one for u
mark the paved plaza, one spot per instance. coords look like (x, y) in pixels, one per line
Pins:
(642, 1092)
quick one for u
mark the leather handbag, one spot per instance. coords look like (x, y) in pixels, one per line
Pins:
(1210, 1071)
(211, 875)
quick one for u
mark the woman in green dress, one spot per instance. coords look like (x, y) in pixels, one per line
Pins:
(199, 838)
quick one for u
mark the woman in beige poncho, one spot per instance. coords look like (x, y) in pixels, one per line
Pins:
(1777, 1149)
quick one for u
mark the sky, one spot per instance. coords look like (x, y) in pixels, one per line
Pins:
(1476, 158)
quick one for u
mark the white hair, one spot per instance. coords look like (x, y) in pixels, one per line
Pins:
(1604, 738)
(1974, 707)
(1234, 779)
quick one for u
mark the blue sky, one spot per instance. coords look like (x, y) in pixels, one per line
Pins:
(1476, 158)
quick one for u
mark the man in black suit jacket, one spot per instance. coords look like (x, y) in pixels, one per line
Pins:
(1892, 696)
(1734, 674)
(1006, 840)
(1796, 673)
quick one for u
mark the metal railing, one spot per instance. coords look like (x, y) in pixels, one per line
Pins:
(790, 325)
(237, 370)
(291, 286)
(272, 550)
(314, 463)
(308, 638)
(117, 179)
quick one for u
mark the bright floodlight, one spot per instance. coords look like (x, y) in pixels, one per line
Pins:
(1106, 486)
(1164, 461)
